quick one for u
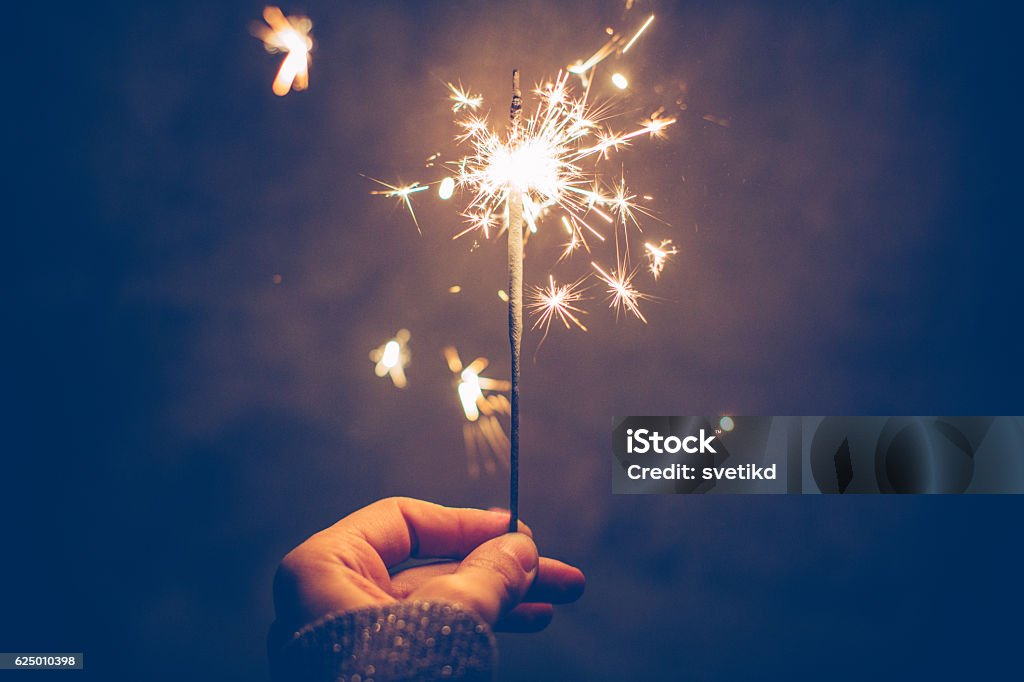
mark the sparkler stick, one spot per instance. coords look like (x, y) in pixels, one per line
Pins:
(515, 306)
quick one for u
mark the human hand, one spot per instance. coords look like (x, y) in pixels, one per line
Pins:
(496, 574)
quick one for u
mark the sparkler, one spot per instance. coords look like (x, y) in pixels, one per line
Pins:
(482, 402)
(549, 163)
(291, 36)
(392, 358)
(537, 166)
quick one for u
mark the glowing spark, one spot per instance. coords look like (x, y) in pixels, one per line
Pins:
(544, 161)
(502, 295)
(622, 203)
(462, 99)
(454, 289)
(446, 189)
(655, 125)
(392, 358)
(482, 401)
(620, 81)
(624, 297)
(478, 222)
(638, 34)
(401, 193)
(291, 36)
(658, 255)
(557, 302)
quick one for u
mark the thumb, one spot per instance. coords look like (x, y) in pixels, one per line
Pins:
(491, 580)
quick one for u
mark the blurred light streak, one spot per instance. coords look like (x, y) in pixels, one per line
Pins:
(291, 36)
(393, 357)
(643, 28)
(482, 403)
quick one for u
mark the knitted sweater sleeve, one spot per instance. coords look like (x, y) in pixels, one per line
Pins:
(411, 640)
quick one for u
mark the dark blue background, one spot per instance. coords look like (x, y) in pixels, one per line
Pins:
(175, 421)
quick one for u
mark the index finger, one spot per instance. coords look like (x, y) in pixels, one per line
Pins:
(398, 528)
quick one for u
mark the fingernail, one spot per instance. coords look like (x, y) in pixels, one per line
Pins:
(522, 548)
